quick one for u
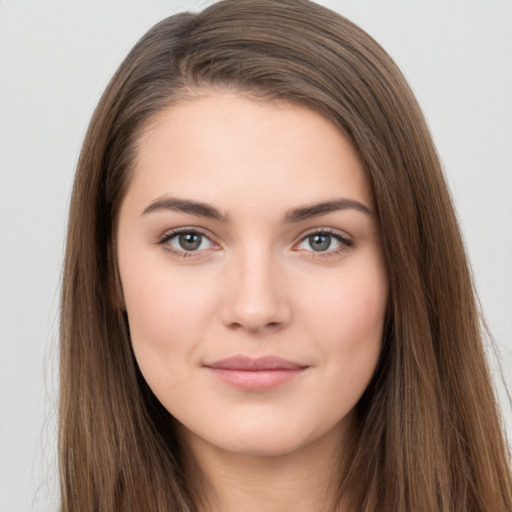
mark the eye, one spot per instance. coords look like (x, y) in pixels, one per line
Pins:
(187, 241)
(324, 242)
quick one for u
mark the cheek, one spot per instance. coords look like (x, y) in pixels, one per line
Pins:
(168, 314)
(352, 302)
(348, 319)
(158, 308)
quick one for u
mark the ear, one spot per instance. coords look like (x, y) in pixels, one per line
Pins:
(115, 286)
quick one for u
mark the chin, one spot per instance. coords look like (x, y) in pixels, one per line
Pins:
(264, 439)
(264, 447)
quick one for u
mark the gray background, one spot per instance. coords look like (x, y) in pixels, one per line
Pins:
(55, 59)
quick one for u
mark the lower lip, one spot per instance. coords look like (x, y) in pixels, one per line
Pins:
(256, 380)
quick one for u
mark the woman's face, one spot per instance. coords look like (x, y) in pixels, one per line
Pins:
(252, 273)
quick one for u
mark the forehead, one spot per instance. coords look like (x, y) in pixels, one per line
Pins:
(226, 148)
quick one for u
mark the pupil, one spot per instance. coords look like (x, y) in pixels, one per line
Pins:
(190, 241)
(320, 242)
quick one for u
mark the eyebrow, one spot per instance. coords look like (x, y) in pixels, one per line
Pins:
(186, 206)
(301, 213)
(317, 209)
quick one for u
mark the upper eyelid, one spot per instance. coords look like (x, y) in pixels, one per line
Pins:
(330, 231)
(342, 239)
(167, 235)
(206, 233)
(346, 243)
(187, 229)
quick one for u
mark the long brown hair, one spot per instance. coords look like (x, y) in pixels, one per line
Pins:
(428, 435)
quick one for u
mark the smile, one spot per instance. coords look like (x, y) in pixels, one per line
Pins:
(259, 374)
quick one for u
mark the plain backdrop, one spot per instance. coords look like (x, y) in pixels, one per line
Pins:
(55, 59)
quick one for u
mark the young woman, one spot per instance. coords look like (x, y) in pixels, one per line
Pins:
(266, 301)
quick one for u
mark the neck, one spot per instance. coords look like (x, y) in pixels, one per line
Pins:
(306, 479)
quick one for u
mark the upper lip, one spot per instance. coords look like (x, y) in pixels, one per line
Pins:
(241, 362)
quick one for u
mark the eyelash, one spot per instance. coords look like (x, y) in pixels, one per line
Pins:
(345, 243)
(175, 232)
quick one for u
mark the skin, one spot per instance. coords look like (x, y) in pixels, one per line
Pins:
(255, 287)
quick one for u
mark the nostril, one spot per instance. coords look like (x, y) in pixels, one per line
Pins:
(254, 305)
(268, 326)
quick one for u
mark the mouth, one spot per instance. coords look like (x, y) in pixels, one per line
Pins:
(255, 374)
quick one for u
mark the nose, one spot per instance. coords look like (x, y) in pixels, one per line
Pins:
(255, 296)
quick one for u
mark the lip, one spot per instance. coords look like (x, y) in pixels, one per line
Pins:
(255, 374)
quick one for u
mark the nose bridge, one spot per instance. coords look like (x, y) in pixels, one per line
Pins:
(255, 295)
